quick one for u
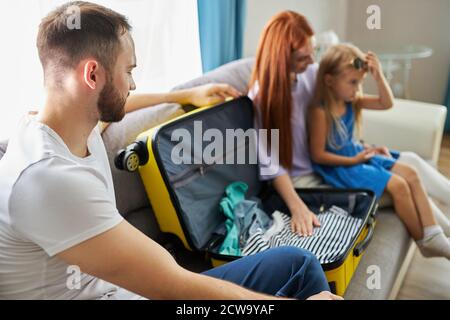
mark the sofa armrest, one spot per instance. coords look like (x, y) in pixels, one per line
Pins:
(409, 126)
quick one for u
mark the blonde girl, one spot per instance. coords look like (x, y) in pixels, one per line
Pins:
(343, 162)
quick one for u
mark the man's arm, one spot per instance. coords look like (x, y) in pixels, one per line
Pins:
(126, 257)
(199, 96)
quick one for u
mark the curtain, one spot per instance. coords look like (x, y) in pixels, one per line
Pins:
(165, 32)
(447, 103)
(221, 24)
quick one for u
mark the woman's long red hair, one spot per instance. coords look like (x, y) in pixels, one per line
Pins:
(285, 33)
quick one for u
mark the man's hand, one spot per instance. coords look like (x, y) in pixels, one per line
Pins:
(303, 221)
(325, 295)
(211, 94)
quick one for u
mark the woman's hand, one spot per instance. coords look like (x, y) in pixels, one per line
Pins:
(364, 156)
(303, 221)
(211, 94)
(374, 65)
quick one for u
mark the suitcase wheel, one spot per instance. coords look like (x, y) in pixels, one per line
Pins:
(135, 155)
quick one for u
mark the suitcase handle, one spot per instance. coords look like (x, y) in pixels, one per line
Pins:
(362, 246)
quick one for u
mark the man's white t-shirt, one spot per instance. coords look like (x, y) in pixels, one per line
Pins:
(50, 201)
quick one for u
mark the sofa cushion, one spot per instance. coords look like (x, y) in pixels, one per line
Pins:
(236, 73)
(421, 126)
(130, 192)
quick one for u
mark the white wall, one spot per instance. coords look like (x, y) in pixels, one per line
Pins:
(322, 14)
(424, 22)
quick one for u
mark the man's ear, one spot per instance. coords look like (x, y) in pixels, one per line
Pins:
(91, 70)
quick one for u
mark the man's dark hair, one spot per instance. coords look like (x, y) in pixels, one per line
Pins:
(62, 45)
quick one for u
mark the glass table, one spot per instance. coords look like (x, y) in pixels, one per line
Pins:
(394, 58)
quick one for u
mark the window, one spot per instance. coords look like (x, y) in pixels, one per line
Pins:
(167, 49)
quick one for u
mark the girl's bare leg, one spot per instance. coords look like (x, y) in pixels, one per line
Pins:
(432, 241)
(404, 205)
(418, 193)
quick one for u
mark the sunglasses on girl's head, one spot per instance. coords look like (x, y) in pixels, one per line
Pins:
(359, 64)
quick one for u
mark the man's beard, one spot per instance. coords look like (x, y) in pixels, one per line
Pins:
(111, 105)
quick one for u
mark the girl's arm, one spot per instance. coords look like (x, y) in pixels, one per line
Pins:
(318, 133)
(385, 100)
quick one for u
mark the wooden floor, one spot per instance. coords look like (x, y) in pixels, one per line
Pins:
(429, 279)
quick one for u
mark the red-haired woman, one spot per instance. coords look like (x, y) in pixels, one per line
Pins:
(282, 87)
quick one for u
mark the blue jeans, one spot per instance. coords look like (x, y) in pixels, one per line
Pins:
(285, 272)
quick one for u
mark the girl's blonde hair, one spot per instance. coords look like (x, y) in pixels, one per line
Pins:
(336, 60)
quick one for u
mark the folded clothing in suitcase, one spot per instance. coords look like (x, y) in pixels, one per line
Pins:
(327, 243)
(250, 230)
(185, 190)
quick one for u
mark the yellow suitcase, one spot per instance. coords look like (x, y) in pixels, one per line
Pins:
(185, 196)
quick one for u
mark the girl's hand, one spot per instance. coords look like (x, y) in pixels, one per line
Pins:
(303, 221)
(374, 65)
(364, 155)
(367, 146)
(383, 151)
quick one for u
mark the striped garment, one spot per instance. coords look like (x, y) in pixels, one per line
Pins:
(328, 242)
